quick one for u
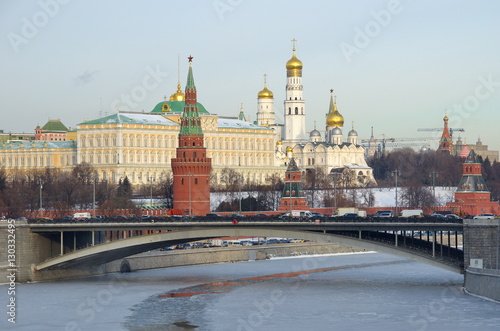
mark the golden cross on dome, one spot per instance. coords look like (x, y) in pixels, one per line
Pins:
(293, 43)
(265, 79)
(164, 98)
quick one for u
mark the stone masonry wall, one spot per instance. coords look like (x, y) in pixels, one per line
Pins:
(481, 240)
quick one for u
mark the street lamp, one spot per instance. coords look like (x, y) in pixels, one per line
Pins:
(335, 176)
(433, 175)
(240, 180)
(396, 173)
(94, 178)
(151, 179)
(41, 182)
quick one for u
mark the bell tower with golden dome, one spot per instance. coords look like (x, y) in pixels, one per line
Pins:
(294, 130)
(334, 123)
(265, 107)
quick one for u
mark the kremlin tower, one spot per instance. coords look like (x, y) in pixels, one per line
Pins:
(191, 167)
(446, 144)
(293, 197)
(472, 196)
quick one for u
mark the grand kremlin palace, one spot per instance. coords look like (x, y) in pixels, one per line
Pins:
(140, 145)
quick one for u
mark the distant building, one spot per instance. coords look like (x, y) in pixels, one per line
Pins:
(53, 130)
(480, 149)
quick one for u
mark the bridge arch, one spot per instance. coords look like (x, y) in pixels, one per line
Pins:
(103, 253)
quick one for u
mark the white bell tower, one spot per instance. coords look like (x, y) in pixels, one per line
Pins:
(295, 116)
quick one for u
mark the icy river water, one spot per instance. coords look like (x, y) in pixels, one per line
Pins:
(367, 291)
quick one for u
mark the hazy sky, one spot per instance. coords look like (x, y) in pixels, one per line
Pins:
(394, 65)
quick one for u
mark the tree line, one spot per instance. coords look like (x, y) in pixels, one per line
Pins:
(417, 174)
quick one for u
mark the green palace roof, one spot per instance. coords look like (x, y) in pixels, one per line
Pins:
(166, 107)
(54, 125)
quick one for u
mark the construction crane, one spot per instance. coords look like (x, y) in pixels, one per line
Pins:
(396, 142)
(441, 129)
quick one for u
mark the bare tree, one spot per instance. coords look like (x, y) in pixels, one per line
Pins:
(417, 195)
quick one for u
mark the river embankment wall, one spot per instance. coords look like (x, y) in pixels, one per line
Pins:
(186, 257)
(483, 282)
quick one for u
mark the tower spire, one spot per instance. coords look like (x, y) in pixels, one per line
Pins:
(190, 120)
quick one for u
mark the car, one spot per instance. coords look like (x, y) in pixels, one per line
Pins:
(317, 215)
(121, 217)
(236, 215)
(437, 216)
(99, 216)
(485, 216)
(212, 215)
(22, 218)
(284, 215)
(43, 219)
(261, 215)
(349, 216)
(383, 214)
(67, 218)
(452, 217)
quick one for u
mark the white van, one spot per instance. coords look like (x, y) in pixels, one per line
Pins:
(81, 216)
(414, 213)
(301, 213)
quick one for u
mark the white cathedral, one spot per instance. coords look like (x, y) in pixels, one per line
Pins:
(332, 153)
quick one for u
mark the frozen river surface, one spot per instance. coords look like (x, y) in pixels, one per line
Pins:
(367, 291)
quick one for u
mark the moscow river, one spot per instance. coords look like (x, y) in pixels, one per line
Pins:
(364, 291)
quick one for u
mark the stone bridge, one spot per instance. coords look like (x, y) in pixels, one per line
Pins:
(68, 249)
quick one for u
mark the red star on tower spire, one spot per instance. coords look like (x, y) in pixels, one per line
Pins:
(190, 58)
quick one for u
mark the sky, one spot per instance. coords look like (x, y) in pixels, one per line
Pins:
(396, 66)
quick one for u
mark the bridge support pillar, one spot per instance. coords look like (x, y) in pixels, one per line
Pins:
(62, 243)
(481, 242)
(396, 237)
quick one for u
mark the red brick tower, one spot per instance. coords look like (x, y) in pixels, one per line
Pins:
(293, 197)
(472, 196)
(191, 167)
(446, 143)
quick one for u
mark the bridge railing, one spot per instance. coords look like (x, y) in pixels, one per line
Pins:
(153, 219)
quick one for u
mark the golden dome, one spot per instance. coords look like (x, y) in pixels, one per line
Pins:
(294, 65)
(265, 94)
(334, 118)
(178, 95)
(279, 143)
(445, 118)
(289, 149)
